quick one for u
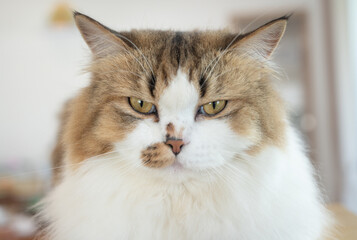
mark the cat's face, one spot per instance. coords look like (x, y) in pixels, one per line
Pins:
(180, 101)
(181, 134)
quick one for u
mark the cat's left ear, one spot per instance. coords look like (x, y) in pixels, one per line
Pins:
(263, 41)
(101, 40)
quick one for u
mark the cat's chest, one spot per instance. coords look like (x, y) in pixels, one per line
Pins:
(101, 204)
(181, 215)
(123, 211)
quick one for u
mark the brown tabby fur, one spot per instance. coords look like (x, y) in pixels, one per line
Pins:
(100, 115)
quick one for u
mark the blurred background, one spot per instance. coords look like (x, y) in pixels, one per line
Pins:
(42, 56)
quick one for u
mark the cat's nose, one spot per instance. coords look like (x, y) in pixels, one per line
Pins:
(175, 144)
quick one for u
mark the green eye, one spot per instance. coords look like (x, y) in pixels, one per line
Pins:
(213, 108)
(141, 106)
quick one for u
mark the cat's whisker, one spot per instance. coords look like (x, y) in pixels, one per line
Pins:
(245, 76)
(130, 53)
(213, 175)
(39, 171)
(225, 51)
(242, 176)
(103, 154)
(208, 174)
(145, 58)
(118, 70)
(225, 72)
(211, 71)
(124, 50)
(126, 170)
(223, 176)
(260, 16)
(216, 59)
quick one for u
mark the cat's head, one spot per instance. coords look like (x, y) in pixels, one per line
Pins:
(178, 101)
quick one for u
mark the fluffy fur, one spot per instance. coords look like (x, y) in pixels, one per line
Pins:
(241, 174)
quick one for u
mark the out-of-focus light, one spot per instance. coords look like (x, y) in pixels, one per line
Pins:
(61, 16)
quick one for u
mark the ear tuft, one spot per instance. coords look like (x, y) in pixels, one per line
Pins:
(264, 40)
(101, 40)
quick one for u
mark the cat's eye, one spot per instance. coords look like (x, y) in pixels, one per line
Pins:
(213, 108)
(142, 106)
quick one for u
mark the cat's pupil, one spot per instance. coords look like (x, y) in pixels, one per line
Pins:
(214, 105)
(141, 103)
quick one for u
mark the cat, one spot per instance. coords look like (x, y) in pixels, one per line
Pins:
(181, 135)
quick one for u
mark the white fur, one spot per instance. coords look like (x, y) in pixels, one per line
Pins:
(219, 193)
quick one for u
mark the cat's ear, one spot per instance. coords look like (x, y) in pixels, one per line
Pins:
(101, 40)
(263, 41)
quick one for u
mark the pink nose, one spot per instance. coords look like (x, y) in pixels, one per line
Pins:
(175, 144)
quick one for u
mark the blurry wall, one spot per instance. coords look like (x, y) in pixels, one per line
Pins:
(40, 67)
(346, 85)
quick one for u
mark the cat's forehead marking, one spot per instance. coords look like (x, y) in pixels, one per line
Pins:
(178, 101)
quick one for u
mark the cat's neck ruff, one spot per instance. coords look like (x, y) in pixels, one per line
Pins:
(114, 202)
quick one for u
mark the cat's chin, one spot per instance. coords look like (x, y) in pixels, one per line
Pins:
(176, 167)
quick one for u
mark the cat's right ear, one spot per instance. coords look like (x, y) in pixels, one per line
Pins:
(101, 40)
